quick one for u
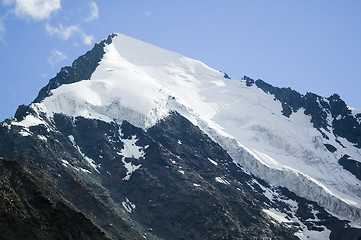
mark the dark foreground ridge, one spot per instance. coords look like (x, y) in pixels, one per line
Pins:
(28, 211)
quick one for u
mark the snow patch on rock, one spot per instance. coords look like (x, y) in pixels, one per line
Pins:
(131, 151)
(28, 121)
(213, 162)
(222, 180)
(128, 205)
(90, 161)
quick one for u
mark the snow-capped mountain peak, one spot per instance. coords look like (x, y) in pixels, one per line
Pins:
(142, 84)
(134, 77)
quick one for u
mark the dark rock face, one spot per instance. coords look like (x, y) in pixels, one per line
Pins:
(344, 123)
(226, 76)
(174, 192)
(249, 81)
(290, 99)
(219, 210)
(60, 169)
(28, 211)
(22, 112)
(81, 69)
(318, 109)
(330, 148)
(351, 165)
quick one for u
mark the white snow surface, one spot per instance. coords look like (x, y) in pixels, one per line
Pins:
(131, 150)
(141, 83)
(222, 180)
(128, 205)
(29, 121)
(213, 162)
(276, 215)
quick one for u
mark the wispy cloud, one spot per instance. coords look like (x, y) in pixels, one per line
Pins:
(41, 10)
(147, 14)
(34, 9)
(2, 26)
(56, 57)
(2, 32)
(87, 39)
(28, 9)
(94, 12)
(8, 2)
(61, 31)
(69, 31)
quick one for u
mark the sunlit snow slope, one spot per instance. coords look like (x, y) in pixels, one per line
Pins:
(142, 83)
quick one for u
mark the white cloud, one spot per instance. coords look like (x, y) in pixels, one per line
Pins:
(67, 32)
(87, 39)
(2, 31)
(148, 14)
(28, 9)
(94, 12)
(35, 9)
(56, 57)
(61, 31)
(2, 26)
(41, 10)
(8, 2)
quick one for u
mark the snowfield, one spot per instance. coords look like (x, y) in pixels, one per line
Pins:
(142, 83)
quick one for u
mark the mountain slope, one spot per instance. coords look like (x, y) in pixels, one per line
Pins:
(94, 165)
(187, 186)
(29, 212)
(164, 147)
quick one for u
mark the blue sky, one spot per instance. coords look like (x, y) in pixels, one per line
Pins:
(312, 45)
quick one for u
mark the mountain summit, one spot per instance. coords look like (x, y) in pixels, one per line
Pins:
(147, 143)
